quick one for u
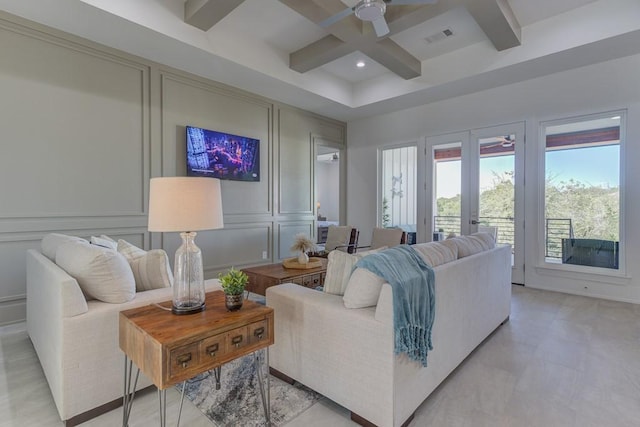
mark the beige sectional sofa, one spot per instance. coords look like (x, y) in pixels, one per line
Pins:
(347, 354)
(76, 339)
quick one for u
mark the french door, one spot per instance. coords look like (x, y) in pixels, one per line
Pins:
(477, 183)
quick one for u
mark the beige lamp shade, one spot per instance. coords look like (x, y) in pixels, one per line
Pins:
(184, 204)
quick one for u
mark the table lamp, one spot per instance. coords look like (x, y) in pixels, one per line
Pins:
(186, 205)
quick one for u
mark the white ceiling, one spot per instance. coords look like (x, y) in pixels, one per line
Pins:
(250, 47)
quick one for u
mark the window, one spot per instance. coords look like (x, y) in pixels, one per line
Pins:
(398, 188)
(582, 191)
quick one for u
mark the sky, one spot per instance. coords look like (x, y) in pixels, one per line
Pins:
(584, 165)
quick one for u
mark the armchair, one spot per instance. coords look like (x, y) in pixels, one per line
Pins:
(344, 238)
(388, 237)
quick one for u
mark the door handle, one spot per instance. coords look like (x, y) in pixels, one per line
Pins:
(474, 222)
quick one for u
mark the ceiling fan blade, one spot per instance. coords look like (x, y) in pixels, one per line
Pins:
(408, 2)
(335, 18)
(380, 26)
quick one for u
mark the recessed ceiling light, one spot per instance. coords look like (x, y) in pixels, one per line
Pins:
(360, 64)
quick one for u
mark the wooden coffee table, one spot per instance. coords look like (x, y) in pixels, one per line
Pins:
(264, 276)
(170, 349)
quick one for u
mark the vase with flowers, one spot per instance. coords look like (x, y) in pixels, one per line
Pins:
(303, 245)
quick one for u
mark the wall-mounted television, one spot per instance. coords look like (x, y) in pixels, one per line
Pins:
(222, 155)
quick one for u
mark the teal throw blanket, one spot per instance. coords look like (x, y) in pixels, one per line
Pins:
(412, 282)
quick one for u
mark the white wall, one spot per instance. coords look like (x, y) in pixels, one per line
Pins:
(596, 88)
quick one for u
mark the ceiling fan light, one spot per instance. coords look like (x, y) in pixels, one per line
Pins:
(370, 10)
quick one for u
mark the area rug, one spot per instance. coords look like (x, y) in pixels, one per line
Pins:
(238, 402)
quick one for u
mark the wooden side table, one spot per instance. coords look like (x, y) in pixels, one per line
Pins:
(170, 349)
(264, 276)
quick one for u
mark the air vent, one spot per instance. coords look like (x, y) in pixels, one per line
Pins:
(440, 35)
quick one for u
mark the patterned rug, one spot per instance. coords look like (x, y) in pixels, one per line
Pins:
(238, 402)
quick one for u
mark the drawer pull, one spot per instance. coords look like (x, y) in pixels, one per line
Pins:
(184, 359)
(236, 340)
(212, 350)
(259, 332)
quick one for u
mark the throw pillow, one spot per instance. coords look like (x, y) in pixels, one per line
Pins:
(436, 253)
(151, 270)
(339, 267)
(487, 239)
(449, 243)
(363, 289)
(470, 245)
(104, 241)
(128, 250)
(102, 273)
(52, 241)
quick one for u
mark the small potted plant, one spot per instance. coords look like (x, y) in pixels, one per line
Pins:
(233, 284)
(303, 245)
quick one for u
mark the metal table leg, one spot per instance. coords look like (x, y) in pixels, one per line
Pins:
(265, 395)
(162, 397)
(129, 392)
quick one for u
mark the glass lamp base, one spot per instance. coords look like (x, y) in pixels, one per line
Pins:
(188, 308)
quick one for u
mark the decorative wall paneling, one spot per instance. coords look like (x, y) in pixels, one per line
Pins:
(83, 128)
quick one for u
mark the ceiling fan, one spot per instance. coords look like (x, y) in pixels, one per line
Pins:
(372, 11)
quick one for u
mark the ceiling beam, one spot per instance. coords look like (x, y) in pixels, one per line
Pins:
(204, 14)
(396, 59)
(318, 53)
(317, 11)
(498, 22)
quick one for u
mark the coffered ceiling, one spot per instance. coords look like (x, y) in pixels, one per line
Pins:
(282, 49)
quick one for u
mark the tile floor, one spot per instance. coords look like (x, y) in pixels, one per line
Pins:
(561, 360)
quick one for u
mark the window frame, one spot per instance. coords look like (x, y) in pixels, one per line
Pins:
(599, 274)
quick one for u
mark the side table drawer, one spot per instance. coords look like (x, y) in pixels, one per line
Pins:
(259, 331)
(183, 359)
(311, 281)
(213, 348)
(298, 280)
(237, 339)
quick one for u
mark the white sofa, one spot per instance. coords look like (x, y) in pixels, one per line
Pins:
(348, 354)
(77, 340)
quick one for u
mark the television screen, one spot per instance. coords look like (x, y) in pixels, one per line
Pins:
(222, 155)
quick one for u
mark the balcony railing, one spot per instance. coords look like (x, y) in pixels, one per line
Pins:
(556, 230)
(451, 224)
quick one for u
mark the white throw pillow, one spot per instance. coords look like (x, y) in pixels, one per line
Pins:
(339, 267)
(487, 239)
(436, 253)
(363, 289)
(470, 245)
(449, 243)
(151, 270)
(104, 241)
(102, 273)
(52, 241)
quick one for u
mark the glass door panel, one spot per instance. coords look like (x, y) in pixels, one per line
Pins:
(447, 180)
(496, 191)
